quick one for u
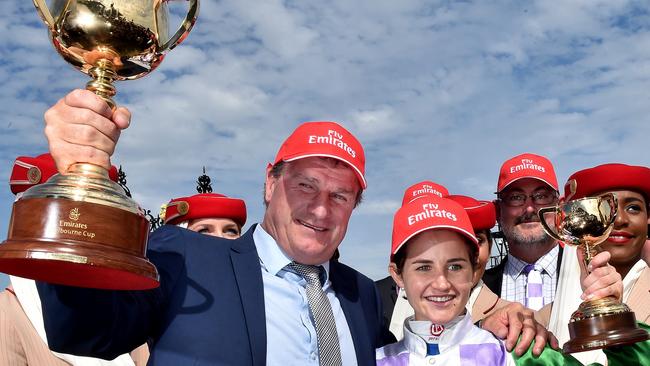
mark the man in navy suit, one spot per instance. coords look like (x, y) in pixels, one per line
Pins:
(240, 302)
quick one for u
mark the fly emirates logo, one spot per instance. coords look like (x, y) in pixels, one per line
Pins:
(430, 210)
(527, 164)
(332, 138)
(426, 188)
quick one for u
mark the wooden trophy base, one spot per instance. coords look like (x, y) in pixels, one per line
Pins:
(82, 244)
(604, 331)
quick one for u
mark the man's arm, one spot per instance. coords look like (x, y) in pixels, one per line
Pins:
(81, 127)
(513, 323)
(94, 323)
(104, 323)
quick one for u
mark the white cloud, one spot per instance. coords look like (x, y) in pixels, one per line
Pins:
(279, 27)
(376, 122)
(381, 207)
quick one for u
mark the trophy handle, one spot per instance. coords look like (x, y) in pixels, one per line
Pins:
(184, 29)
(549, 231)
(44, 13)
(612, 201)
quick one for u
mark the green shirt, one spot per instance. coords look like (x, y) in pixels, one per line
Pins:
(633, 354)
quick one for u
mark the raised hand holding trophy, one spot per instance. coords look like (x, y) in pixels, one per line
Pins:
(80, 228)
(604, 322)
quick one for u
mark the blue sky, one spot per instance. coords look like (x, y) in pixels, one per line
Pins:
(436, 90)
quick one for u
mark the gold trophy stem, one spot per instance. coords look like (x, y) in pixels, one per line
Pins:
(90, 170)
(606, 305)
(103, 74)
(590, 253)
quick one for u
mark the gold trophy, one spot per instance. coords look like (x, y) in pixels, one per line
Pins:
(80, 228)
(600, 323)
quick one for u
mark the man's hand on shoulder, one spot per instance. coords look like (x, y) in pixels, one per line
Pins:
(81, 127)
(514, 320)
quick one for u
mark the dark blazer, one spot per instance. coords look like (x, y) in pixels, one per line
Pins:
(493, 277)
(209, 309)
(388, 294)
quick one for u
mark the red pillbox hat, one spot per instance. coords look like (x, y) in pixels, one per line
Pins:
(205, 205)
(608, 177)
(29, 171)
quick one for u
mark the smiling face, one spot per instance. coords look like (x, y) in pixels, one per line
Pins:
(436, 275)
(221, 227)
(520, 224)
(308, 207)
(626, 241)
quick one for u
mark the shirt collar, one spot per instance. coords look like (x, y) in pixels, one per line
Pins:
(272, 257)
(452, 334)
(548, 262)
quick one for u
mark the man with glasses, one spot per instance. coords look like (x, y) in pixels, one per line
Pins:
(528, 274)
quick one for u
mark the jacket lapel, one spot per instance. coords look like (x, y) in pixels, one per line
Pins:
(348, 294)
(247, 270)
(493, 277)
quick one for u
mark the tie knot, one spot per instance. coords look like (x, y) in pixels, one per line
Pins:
(532, 267)
(310, 273)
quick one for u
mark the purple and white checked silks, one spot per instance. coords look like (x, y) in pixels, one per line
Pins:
(534, 294)
(461, 343)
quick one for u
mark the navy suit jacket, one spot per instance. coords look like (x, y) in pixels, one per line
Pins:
(209, 309)
(388, 295)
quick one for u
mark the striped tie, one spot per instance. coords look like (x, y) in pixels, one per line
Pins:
(329, 352)
(534, 294)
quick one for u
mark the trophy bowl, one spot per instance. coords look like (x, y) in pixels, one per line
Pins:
(604, 322)
(81, 229)
(113, 39)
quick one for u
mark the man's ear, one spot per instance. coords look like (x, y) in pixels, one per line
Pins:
(269, 184)
(394, 273)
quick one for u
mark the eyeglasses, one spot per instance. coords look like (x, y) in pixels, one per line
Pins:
(517, 199)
